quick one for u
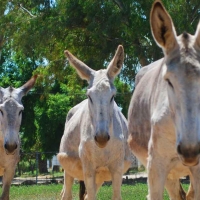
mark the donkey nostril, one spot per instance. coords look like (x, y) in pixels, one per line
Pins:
(179, 149)
(108, 137)
(5, 146)
(10, 147)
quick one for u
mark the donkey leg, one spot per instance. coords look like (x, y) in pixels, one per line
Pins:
(91, 187)
(175, 190)
(194, 190)
(116, 172)
(82, 190)
(157, 174)
(190, 194)
(7, 179)
(89, 179)
(98, 185)
(67, 187)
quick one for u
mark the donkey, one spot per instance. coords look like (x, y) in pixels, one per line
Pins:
(10, 119)
(94, 145)
(164, 116)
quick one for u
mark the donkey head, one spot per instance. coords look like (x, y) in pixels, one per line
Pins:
(11, 113)
(101, 92)
(181, 73)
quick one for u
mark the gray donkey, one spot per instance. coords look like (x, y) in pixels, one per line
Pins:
(10, 119)
(94, 144)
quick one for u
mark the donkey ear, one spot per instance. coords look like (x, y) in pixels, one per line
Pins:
(162, 27)
(197, 36)
(28, 85)
(1, 94)
(115, 65)
(82, 69)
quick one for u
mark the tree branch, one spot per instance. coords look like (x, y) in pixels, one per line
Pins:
(20, 5)
(195, 12)
(120, 4)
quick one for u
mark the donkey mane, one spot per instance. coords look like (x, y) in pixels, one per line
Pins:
(102, 81)
(10, 88)
(103, 84)
(185, 39)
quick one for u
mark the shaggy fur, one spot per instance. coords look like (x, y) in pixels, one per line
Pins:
(163, 119)
(10, 120)
(94, 144)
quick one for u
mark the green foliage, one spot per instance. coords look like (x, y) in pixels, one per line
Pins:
(50, 114)
(34, 35)
(123, 95)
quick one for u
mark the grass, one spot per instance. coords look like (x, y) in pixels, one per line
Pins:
(52, 192)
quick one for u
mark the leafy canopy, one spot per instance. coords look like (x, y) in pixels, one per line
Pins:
(34, 35)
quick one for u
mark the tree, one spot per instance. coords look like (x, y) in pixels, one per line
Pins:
(34, 34)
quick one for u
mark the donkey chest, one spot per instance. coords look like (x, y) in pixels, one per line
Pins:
(102, 156)
(164, 143)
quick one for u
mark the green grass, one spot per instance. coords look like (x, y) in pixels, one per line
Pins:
(52, 192)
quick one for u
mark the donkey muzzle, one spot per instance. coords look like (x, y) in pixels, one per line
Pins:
(101, 139)
(10, 148)
(189, 155)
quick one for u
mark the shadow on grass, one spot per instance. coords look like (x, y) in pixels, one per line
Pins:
(129, 181)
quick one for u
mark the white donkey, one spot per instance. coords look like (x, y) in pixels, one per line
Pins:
(94, 144)
(10, 119)
(164, 113)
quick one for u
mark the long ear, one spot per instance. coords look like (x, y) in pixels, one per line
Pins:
(197, 36)
(162, 27)
(1, 94)
(82, 69)
(115, 65)
(28, 85)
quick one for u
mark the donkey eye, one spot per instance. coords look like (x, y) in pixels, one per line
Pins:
(112, 98)
(1, 112)
(90, 99)
(20, 112)
(169, 83)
